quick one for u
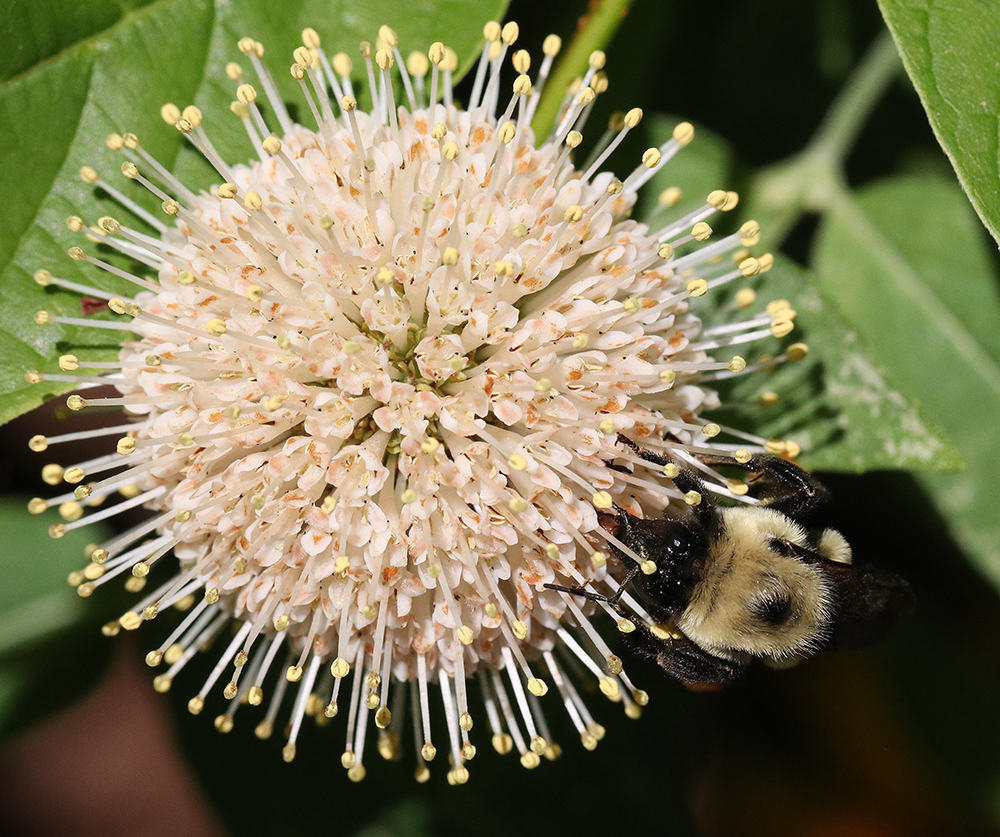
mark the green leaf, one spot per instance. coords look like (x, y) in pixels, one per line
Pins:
(83, 75)
(835, 404)
(909, 267)
(950, 52)
(35, 601)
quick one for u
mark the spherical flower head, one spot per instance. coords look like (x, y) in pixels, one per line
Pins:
(386, 380)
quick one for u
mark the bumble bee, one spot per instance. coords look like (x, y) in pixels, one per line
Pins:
(727, 586)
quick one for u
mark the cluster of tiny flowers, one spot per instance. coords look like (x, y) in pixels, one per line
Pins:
(377, 386)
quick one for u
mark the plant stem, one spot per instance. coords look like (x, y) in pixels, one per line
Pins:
(599, 26)
(856, 100)
(813, 180)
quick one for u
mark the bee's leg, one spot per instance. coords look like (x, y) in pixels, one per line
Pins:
(578, 591)
(648, 455)
(686, 481)
(679, 657)
(613, 600)
(784, 486)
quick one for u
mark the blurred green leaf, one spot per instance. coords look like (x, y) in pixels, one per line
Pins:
(911, 270)
(77, 82)
(835, 404)
(950, 52)
(35, 602)
(410, 817)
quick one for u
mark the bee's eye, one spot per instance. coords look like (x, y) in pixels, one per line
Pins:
(774, 611)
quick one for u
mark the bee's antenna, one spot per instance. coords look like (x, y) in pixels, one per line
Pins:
(579, 591)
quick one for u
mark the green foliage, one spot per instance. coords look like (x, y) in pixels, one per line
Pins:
(950, 53)
(836, 403)
(910, 268)
(35, 602)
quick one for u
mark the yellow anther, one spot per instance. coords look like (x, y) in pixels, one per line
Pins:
(52, 474)
(130, 621)
(671, 196)
(417, 64)
(537, 687)
(750, 234)
(342, 64)
(609, 687)
(716, 199)
(632, 118)
(684, 133)
(697, 287)
(73, 475)
(530, 760)
(216, 327)
(303, 56)
(625, 626)
(797, 351)
(782, 327)
(701, 231)
(602, 500)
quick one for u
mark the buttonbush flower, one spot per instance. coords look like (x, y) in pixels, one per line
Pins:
(376, 386)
